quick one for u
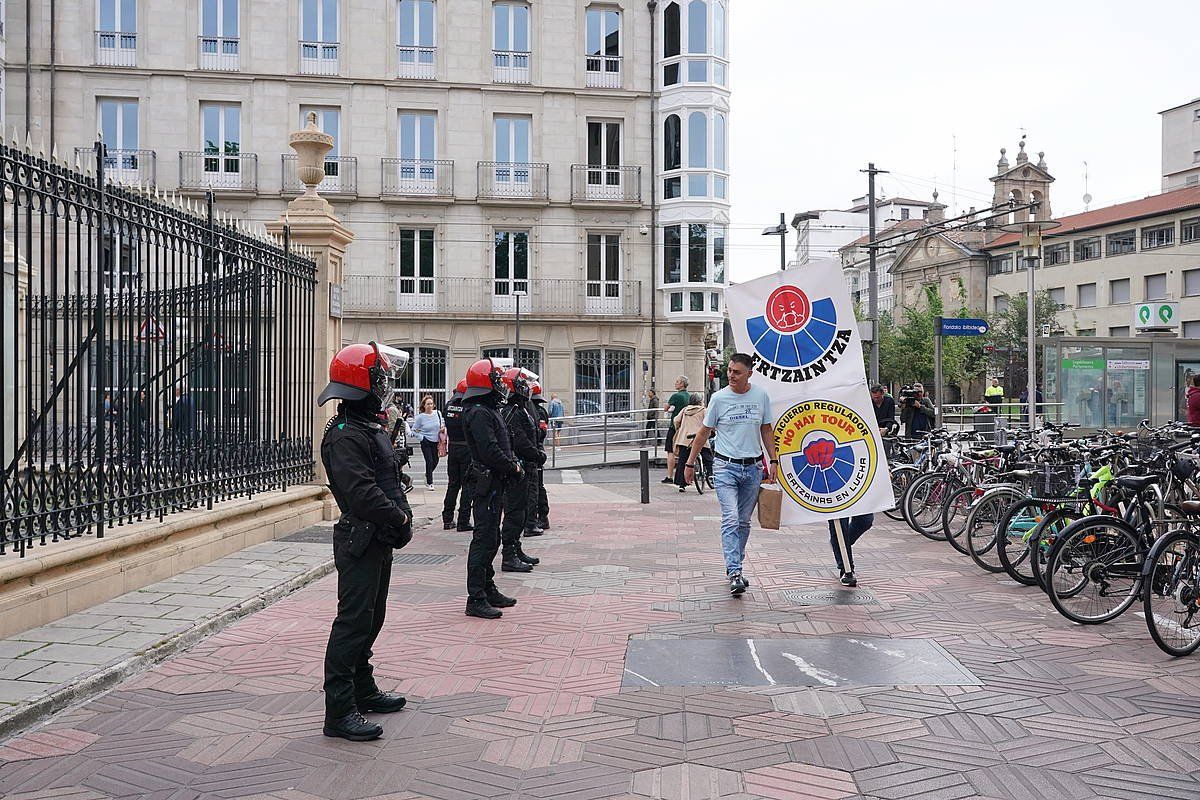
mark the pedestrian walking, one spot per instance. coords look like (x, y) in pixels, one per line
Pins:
(459, 481)
(852, 529)
(375, 519)
(429, 426)
(687, 425)
(557, 413)
(495, 467)
(739, 420)
(675, 403)
(539, 504)
(522, 432)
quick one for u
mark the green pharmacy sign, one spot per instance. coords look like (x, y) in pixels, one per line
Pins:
(1148, 316)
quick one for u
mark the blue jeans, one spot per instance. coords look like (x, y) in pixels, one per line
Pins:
(737, 492)
(855, 527)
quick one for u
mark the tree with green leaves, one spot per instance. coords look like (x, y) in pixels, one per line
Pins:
(1008, 337)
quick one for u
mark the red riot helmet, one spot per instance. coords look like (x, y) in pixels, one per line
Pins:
(536, 392)
(519, 381)
(359, 371)
(461, 389)
(483, 378)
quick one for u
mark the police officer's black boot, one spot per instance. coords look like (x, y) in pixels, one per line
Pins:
(528, 559)
(498, 600)
(483, 609)
(353, 727)
(381, 703)
(512, 562)
(535, 531)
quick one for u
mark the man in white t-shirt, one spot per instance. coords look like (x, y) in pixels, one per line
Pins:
(739, 420)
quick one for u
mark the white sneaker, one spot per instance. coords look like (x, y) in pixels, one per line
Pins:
(430, 487)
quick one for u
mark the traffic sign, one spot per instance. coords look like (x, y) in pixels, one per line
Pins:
(151, 331)
(961, 326)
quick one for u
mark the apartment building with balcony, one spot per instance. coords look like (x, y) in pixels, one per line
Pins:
(487, 155)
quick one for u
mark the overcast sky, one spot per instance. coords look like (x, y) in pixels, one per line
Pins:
(821, 88)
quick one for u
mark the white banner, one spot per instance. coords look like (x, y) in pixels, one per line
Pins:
(800, 328)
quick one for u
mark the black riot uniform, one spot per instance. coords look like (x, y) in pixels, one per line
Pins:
(523, 432)
(458, 468)
(538, 515)
(365, 479)
(494, 468)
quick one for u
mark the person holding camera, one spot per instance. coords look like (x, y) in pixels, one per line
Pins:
(366, 481)
(916, 411)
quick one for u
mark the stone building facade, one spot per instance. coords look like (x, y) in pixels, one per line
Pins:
(486, 154)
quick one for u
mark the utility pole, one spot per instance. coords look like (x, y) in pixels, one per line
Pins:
(873, 307)
(783, 241)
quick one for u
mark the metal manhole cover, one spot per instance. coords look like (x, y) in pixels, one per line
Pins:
(420, 559)
(829, 597)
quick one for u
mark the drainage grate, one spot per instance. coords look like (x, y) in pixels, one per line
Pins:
(420, 559)
(829, 597)
(317, 534)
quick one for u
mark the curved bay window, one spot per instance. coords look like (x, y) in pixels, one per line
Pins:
(696, 156)
(603, 381)
(705, 249)
(702, 26)
(426, 375)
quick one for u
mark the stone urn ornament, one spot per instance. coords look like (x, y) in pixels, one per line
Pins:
(311, 145)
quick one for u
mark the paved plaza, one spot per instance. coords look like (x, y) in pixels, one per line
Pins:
(627, 672)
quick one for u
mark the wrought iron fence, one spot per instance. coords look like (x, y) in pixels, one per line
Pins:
(152, 359)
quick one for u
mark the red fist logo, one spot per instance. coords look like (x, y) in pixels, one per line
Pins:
(820, 453)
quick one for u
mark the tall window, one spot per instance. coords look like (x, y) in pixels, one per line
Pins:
(415, 259)
(219, 34)
(603, 144)
(603, 381)
(319, 36)
(1156, 286)
(718, 240)
(512, 145)
(510, 31)
(697, 148)
(697, 254)
(416, 35)
(719, 31)
(673, 155)
(603, 265)
(603, 33)
(119, 132)
(510, 263)
(426, 375)
(697, 35)
(671, 42)
(222, 134)
(329, 121)
(119, 261)
(720, 153)
(672, 254)
(116, 32)
(117, 16)
(1118, 291)
(418, 145)
(1086, 294)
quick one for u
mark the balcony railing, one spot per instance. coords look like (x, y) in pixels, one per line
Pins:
(603, 72)
(416, 63)
(116, 49)
(220, 53)
(231, 172)
(135, 167)
(319, 58)
(597, 184)
(414, 177)
(341, 176)
(510, 66)
(371, 294)
(512, 181)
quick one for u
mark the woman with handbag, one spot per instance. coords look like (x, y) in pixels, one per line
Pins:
(429, 426)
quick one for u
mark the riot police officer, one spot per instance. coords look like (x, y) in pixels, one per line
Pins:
(522, 430)
(458, 466)
(494, 468)
(539, 508)
(366, 483)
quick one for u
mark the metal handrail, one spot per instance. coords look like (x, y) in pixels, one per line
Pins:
(612, 437)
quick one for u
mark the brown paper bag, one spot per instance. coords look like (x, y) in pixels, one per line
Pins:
(770, 505)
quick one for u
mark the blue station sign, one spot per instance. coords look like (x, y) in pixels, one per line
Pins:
(960, 326)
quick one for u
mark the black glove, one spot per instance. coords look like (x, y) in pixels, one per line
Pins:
(541, 462)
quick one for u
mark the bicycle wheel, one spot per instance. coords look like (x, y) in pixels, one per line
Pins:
(1171, 599)
(982, 522)
(1047, 534)
(902, 476)
(1015, 539)
(954, 515)
(923, 503)
(1094, 570)
(701, 479)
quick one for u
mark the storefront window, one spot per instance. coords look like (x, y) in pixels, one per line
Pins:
(1105, 387)
(1128, 386)
(1083, 385)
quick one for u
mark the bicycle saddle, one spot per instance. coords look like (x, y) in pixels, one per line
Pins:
(1190, 508)
(1137, 482)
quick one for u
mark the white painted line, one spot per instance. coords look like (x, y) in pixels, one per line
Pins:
(571, 476)
(819, 675)
(641, 677)
(757, 663)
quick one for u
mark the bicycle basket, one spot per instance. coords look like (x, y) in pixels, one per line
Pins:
(1055, 480)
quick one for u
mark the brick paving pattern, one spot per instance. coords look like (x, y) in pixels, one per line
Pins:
(532, 706)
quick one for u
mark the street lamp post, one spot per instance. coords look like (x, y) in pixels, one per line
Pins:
(517, 348)
(1031, 245)
(780, 230)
